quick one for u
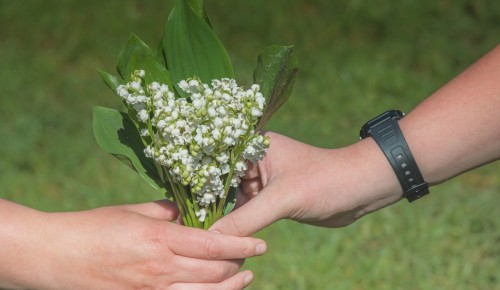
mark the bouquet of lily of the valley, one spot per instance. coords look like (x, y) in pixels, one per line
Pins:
(187, 127)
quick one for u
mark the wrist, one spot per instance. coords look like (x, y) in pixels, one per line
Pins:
(377, 184)
(386, 132)
(24, 263)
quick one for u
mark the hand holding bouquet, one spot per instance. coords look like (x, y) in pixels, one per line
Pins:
(189, 129)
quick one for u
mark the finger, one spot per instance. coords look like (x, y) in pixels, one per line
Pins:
(207, 271)
(251, 185)
(256, 214)
(252, 171)
(236, 282)
(211, 245)
(241, 199)
(161, 209)
(248, 189)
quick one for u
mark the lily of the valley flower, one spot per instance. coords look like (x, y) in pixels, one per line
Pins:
(204, 140)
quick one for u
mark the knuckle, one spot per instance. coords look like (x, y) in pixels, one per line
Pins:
(219, 272)
(236, 229)
(213, 249)
(154, 236)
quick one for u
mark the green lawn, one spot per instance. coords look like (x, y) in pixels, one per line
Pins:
(357, 59)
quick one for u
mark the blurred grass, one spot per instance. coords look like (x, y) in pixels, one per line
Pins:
(357, 59)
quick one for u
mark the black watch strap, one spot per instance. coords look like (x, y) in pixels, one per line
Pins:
(385, 130)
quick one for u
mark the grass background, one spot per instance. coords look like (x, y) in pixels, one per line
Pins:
(357, 59)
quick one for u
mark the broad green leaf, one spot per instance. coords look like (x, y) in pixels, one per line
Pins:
(160, 55)
(116, 134)
(155, 72)
(230, 200)
(134, 44)
(110, 80)
(275, 73)
(192, 48)
(199, 9)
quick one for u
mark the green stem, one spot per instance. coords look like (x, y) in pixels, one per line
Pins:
(177, 197)
(235, 154)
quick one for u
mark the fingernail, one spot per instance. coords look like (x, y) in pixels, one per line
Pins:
(248, 279)
(260, 248)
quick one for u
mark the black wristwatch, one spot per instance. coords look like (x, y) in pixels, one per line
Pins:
(384, 129)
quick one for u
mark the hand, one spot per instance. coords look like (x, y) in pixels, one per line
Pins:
(330, 188)
(124, 247)
(333, 188)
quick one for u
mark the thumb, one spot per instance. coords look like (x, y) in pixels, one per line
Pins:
(256, 214)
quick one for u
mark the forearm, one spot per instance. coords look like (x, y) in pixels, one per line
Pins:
(458, 127)
(454, 130)
(20, 236)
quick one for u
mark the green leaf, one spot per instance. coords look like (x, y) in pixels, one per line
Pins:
(116, 134)
(230, 200)
(160, 56)
(110, 80)
(155, 72)
(134, 45)
(199, 9)
(275, 73)
(192, 48)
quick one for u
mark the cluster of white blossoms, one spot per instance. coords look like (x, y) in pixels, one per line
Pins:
(203, 138)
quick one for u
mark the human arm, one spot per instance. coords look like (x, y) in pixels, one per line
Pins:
(117, 247)
(454, 130)
(458, 127)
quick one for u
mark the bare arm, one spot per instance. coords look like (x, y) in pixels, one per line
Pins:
(458, 127)
(454, 130)
(118, 247)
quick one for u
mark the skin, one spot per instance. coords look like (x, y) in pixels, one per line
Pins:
(117, 247)
(454, 130)
(136, 246)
